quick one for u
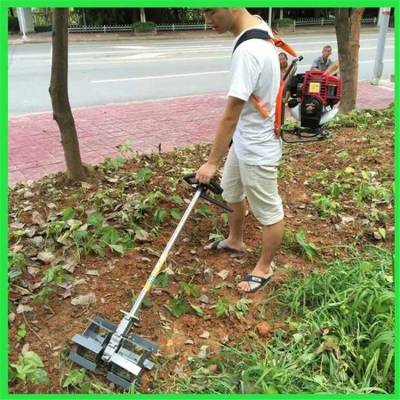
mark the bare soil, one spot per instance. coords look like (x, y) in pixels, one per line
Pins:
(50, 326)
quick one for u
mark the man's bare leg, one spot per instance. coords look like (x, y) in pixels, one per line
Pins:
(236, 226)
(271, 240)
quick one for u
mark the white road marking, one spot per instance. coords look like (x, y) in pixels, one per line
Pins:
(159, 77)
(141, 78)
(123, 60)
(157, 56)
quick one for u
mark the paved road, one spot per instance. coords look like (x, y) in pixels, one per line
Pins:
(116, 72)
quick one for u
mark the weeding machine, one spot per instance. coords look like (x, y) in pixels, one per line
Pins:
(114, 349)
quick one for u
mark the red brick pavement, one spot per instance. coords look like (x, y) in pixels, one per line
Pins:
(34, 148)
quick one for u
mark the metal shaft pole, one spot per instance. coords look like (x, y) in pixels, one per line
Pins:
(270, 17)
(164, 255)
(384, 24)
(129, 318)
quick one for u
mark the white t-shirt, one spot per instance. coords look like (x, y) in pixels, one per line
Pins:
(255, 70)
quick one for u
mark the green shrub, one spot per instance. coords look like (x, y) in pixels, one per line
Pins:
(43, 28)
(276, 23)
(144, 27)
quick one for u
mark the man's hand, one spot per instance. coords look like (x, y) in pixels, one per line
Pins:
(205, 173)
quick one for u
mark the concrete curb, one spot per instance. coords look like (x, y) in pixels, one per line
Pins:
(109, 36)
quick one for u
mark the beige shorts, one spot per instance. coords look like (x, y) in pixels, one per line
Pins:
(257, 183)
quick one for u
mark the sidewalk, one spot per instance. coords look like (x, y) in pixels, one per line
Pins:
(35, 150)
(46, 37)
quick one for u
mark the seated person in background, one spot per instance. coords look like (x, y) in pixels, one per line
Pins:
(323, 62)
(283, 62)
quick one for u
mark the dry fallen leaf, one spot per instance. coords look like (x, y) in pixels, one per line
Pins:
(223, 274)
(28, 195)
(23, 309)
(203, 352)
(17, 247)
(17, 225)
(84, 299)
(204, 299)
(67, 293)
(38, 219)
(33, 271)
(37, 241)
(70, 265)
(208, 275)
(35, 285)
(46, 257)
(225, 339)
(142, 236)
(92, 272)
(86, 185)
(205, 335)
(25, 348)
(346, 219)
(11, 317)
(329, 345)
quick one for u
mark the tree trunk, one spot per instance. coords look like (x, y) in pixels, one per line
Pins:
(142, 15)
(59, 96)
(348, 24)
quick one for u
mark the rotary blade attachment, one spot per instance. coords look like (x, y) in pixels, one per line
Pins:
(129, 362)
(89, 347)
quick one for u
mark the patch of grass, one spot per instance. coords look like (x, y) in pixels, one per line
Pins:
(363, 119)
(297, 243)
(340, 340)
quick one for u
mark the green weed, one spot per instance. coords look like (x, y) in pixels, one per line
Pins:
(29, 368)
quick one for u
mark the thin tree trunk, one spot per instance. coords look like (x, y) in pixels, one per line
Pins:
(348, 24)
(59, 96)
(142, 15)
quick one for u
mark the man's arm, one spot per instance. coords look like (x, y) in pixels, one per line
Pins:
(315, 64)
(225, 130)
(333, 68)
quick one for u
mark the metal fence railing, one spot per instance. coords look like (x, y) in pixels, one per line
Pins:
(183, 27)
(127, 28)
(204, 27)
(328, 21)
(99, 28)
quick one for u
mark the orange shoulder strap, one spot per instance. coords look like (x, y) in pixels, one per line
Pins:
(279, 42)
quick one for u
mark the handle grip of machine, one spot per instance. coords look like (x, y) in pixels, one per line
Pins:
(216, 202)
(212, 185)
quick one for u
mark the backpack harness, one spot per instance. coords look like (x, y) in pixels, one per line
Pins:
(277, 42)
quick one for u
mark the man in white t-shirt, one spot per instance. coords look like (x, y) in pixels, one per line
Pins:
(250, 170)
